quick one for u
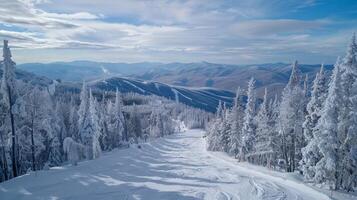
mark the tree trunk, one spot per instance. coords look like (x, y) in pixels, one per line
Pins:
(293, 155)
(4, 159)
(13, 135)
(125, 135)
(285, 153)
(32, 146)
(4, 163)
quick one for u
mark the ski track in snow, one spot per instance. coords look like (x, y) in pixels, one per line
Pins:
(177, 93)
(140, 89)
(175, 167)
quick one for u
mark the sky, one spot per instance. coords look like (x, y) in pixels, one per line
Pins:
(218, 31)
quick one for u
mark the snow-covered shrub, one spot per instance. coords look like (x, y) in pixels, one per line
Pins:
(73, 149)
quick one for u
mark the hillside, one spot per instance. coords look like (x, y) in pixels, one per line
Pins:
(274, 76)
(204, 98)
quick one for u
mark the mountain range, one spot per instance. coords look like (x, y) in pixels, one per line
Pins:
(274, 76)
(199, 97)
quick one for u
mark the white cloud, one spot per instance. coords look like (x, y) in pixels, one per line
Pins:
(161, 30)
(274, 27)
(75, 16)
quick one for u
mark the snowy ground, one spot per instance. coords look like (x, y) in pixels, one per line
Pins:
(175, 167)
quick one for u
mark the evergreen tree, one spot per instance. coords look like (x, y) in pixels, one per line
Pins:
(55, 156)
(134, 125)
(262, 145)
(83, 107)
(347, 119)
(95, 127)
(219, 112)
(327, 134)
(273, 137)
(116, 121)
(89, 125)
(310, 153)
(249, 126)
(103, 121)
(224, 137)
(236, 124)
(214, 132)
(291, 119)
(73, 121)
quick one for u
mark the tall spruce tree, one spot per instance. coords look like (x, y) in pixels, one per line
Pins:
(291, 119)
(347, 118)
(262, 147)
(236, 124)
(249, 126)
(310, 153)
(326, 134)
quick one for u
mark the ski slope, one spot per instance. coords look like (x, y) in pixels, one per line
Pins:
(175, 167)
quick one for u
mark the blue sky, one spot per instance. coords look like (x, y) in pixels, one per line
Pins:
(220, 31)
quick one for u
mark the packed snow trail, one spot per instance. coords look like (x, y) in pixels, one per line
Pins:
(175, 167)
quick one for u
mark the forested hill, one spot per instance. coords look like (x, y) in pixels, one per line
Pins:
(274, 76)
(203, 98)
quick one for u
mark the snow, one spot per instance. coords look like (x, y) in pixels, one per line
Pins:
(174, 167)
(105, 71)
(177, 93)
(140, 89)
(157, 86)
(52, 87)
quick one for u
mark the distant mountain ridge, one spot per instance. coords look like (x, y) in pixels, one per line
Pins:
(274, 76)
(203, 98)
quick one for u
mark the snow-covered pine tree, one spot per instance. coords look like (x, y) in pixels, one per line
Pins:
(115, 120)
(224, 136)
(55, 155)
(347, 119)
(154, 130)
(58, 122)
(134, 125)
(326, 170)
(349, 147)
(291, 117)
(95, 127)
(73, 150)
(89, 129)
(306, 94)
(262, 146)
(249, 126)
(83, 106)
(73, 120)
(84, 123)
(9, 97)
(236, 124)
(310, 153)
(273, 142)
(219, 112)
(214, 132)
(169, 124)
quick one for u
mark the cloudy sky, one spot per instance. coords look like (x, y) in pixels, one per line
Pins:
(220, 31)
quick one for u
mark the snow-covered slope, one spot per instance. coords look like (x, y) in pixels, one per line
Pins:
(274, 76)
(203, 97)
(176, 167)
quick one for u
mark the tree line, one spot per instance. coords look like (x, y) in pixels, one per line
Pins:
(41, 127)
(310, 131)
